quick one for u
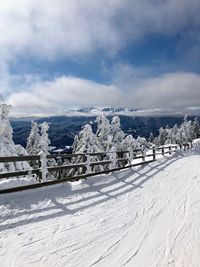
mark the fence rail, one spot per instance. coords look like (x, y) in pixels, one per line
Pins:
(115, 160)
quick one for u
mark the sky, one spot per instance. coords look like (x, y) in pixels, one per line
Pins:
(57, 55)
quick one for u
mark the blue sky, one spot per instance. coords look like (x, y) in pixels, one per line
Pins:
(61, 54)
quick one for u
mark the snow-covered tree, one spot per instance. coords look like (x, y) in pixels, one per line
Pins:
(169, 136)
(5, 124)
(116, 132)
(162, 136)
(129, 143)
(195, 129)
(142, 142)
(7, 146)
(175, 134)
(43, 146)
(85, 142)
(151, 138)
(33, 140)
(44, 141)
(185, 131)
(104, 132)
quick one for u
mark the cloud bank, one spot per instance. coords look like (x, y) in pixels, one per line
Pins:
(172, 90)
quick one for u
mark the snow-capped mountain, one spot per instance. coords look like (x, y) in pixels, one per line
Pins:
(93, 111)
(85, 111)
(111, 111)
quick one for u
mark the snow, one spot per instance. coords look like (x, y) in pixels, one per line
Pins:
(17, 182)
(145, 217)
(196, 141)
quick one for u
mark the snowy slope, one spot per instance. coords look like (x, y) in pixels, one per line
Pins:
(144, 217)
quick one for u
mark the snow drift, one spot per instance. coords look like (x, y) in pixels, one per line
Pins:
(137, 217)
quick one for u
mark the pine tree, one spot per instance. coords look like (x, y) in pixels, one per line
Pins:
(129, 143)
(44, 141)
(116, 132)
(33, 140)
(142, 142)
(175, 136)
(7, 146)
(169, 136)
(195, 129)
(162, 137)
(85, 142)
(103, 132)
(185, 132)
(151, 138)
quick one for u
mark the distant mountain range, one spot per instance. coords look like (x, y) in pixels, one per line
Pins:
(112, 111)
(136, 122)
(93, 111)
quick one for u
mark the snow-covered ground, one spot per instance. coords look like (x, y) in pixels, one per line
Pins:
(136, 217)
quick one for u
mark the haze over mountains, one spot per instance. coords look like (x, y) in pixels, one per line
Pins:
(112, 111)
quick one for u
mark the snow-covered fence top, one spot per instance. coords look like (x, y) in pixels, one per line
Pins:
(89, 164)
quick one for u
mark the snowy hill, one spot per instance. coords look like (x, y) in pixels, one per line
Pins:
(143, 217)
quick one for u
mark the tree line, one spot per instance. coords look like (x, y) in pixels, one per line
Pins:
(108, 137)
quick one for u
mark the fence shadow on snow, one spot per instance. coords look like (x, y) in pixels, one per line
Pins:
(56, 201)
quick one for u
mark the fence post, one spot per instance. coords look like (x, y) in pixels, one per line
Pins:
(88, 161)
(163, 151)
(113, 158)
(43, 166)
(170, 150)
(130, 155)
(143, 153)
(154, 153)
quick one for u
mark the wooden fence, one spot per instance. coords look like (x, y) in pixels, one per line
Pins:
(111, 161)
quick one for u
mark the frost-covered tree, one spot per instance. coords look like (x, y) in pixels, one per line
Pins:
(7, 146)
(195, 129)
(184, 134)
(129, 143)
(104, 132)
(85, 142)
(43, 146)
(5, 124)
(33, 140)
(44, 141)
(151, 138)
(175, 134)
(169, 136)
(142, 141)
(116, 132)
(185, 131)
(162, 136)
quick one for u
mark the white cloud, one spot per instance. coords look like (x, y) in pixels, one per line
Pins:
(55, 96)
(172, 90)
